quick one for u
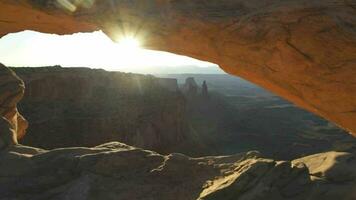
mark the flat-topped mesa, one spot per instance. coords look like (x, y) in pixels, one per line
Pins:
(86, 107)
(12, 124)
(170, 84)
(303, 50)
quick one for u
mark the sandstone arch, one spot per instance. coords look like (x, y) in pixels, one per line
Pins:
(303, 50)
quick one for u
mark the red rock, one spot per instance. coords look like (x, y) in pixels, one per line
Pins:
(303, 50)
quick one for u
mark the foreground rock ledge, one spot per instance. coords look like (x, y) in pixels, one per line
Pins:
(118, 171)
(303, 50)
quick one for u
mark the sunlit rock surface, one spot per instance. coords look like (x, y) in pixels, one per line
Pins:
(303, 50)
(333, 173)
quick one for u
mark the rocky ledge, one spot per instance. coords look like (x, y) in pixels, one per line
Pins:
(118, 171)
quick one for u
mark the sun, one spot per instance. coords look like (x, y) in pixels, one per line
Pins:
(129, 43)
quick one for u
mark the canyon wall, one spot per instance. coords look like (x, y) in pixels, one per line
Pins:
(87, 107)
(303, 50)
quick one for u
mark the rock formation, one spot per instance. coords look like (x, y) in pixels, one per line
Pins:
(170, 84)
(12, 124)
(190, 87)
(329, 171)
(118, 171)
(204, 90)
(87, 107)
(303, 50)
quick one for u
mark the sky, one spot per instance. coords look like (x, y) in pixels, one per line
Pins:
(94, 50)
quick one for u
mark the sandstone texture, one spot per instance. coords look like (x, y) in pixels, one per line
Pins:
(118, 171)
(86, 107)
(12, 124)
(333, 173)
(303, 50)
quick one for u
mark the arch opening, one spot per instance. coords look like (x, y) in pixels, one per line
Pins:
(234, 116)
(305, 57)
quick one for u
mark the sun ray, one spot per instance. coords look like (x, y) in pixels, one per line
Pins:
(129, 43)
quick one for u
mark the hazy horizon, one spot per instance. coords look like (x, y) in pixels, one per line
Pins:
(184, 69)
(93, 50)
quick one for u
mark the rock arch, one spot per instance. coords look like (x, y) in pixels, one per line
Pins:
(303, 50)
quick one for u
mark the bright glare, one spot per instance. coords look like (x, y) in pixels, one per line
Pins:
(129, 43)
(95, 50)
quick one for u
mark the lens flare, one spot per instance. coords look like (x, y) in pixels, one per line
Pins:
(129, 43)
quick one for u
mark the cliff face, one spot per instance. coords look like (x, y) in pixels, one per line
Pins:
(75, 107)
(303, 50)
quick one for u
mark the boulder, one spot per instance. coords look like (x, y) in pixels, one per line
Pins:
(13, 125)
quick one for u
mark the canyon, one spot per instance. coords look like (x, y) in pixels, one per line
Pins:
(115, 170)
(69, 107)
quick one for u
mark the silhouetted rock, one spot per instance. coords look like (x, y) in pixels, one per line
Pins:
(190, 87)
(204, 90)
(170, 84)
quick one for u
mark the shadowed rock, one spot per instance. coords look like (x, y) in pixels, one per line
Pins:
(12, 124)
(118, 171)
(204, 90)
(190, 87)
(87, 107)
